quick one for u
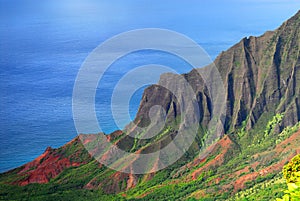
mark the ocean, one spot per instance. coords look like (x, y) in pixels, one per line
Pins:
(44, 43)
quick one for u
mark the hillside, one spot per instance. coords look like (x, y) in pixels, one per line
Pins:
(261, 133)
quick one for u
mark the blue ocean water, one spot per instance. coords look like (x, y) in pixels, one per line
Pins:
(43, 44)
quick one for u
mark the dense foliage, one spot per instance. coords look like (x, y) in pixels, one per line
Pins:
(291, 173)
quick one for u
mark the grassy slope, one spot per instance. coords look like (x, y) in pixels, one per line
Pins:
(212, 184)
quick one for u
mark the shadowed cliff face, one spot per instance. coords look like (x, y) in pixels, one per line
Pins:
(260, 74)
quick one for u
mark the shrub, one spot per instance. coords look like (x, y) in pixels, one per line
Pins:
(291, 173)
(271, 124)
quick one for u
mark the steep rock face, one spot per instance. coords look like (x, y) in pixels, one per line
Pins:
(260, 74)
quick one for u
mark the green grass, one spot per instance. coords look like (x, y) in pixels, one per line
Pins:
(165, 184)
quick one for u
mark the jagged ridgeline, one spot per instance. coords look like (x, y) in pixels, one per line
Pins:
(261, 77)
(260, 74)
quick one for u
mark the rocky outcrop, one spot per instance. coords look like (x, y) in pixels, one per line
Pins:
(52, 162)
(260, 74)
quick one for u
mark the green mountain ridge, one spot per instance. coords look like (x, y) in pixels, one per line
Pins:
(261, 77)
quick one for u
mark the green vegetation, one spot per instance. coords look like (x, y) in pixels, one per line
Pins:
(266, 190)
(42, 192)
(169, 184)
(166, 184)
(287, 131)
(241, 133)
(271, 124)
(291, 173)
